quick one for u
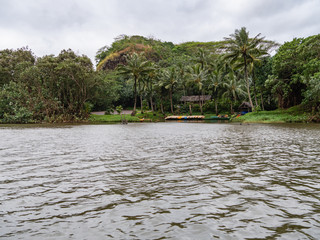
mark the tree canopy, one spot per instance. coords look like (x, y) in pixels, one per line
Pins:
(238, 69)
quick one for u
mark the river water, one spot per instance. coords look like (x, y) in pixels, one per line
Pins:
(160, 181)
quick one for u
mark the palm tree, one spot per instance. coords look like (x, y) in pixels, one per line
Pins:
(182, 75)
(169, 80)
(199, 75)
(233, 89)
(136, 67)
(244, 50)
(141, 84)
(149, 83)
(160, 90)
(202, 57)
(216, 78)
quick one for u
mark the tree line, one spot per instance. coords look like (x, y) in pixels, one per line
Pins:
(50, 88)
(149, 74)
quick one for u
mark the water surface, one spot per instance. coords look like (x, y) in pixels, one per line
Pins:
(160, 181)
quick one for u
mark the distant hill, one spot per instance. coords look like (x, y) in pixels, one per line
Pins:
(190, 48)
(108, 58)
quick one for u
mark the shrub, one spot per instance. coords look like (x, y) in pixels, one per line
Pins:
(195, 108)
(15, 106)
(119, 109)
(209, 106)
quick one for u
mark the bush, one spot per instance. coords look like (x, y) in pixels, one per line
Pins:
(87, 107)
(119, 109)
(19, 115)
(145, 105)
(195, 108)
(15, 106)
(184, 109)
(109, 111)
(209, 106)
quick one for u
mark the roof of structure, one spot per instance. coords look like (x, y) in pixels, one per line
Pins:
(195, 98)
(245, 105)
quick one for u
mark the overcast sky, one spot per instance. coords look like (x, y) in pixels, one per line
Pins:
(48, 26)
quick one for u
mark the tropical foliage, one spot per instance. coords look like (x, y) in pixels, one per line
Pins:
(46, 89)
(137, 68)
(295, 73)
(245, 52)
(147, 72)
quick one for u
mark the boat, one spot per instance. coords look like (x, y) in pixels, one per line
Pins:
(226, 117)
(196, 117)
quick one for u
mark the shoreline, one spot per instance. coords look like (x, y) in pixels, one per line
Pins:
(263, 117)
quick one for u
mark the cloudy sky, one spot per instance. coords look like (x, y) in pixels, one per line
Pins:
(48, 26)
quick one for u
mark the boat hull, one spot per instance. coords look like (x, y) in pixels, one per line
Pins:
(217, 118)
(196, 117)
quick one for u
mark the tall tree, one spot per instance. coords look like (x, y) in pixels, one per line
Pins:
(294, 65)
(169, 80)
(151, 78)
(215, 83)
(202, 57)
(51, 89)
(13, 63)
(198, 76)
(136, 67)
(233, 89)
(182, 75)
(243, 50)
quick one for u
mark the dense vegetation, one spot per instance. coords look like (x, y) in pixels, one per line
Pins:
(51, 89)
(148, 74)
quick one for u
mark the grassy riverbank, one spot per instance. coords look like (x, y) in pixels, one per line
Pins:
(140, 117)
(295, 115)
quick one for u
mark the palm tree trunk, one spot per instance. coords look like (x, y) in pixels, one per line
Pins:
(135, 97)
(215, 101)
(216, 106)
(141, 105)
(231, 108)
(255, 95)
(151, 102)
(170, 92)
(190, 109)
(262, 103)
(254, 89)
(247, 82)
(161, 105)
(201, 103)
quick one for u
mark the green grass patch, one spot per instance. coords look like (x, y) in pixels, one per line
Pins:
(112, 118)
(295, 115)
(151, 117)
(140, 117)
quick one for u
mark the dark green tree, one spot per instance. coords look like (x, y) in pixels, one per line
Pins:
(216, 78)
(136, 67)
(14, 62)
(233, 89)
(243, 50)
(199, 76)
(169, 80)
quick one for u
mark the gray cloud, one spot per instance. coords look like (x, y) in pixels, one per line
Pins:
(47, 27)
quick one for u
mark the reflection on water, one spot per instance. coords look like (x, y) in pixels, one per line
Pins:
(160, 181)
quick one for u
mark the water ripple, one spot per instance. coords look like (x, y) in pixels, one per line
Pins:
(160, 181)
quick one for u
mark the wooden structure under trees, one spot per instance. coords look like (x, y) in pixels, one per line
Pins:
(201, 99)
(245, 107)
